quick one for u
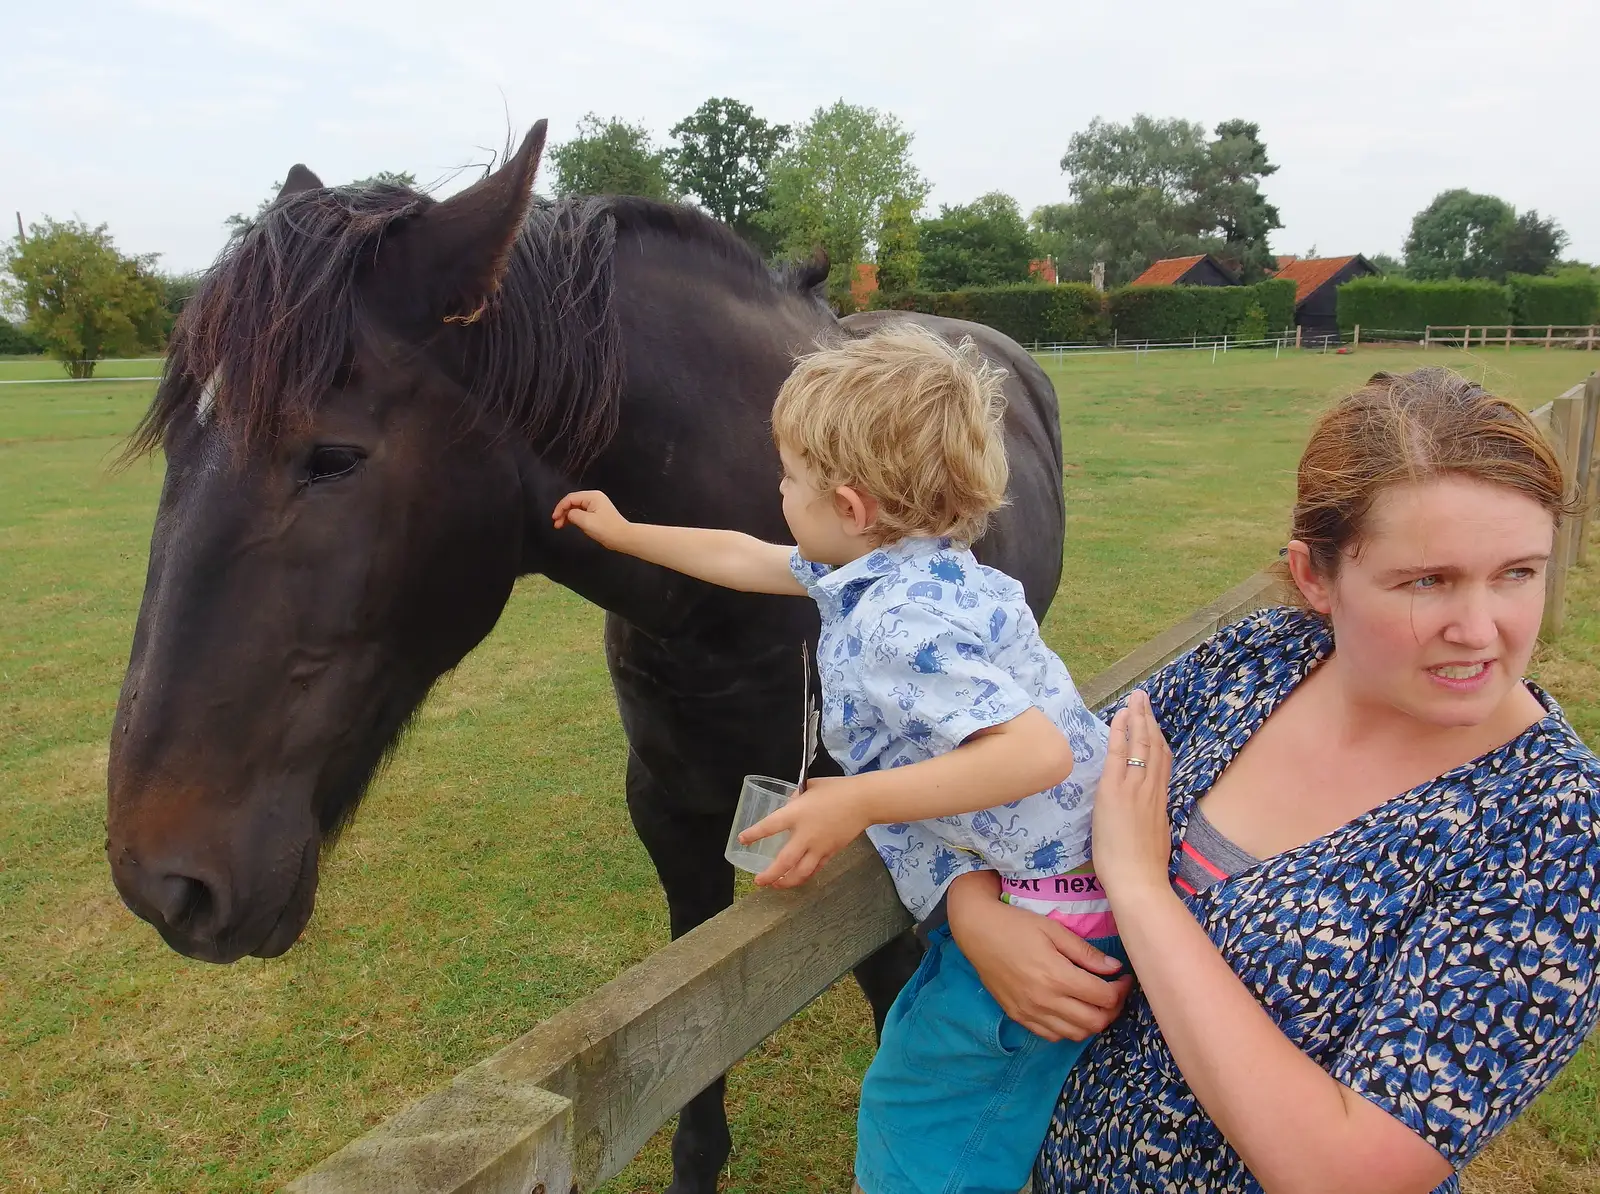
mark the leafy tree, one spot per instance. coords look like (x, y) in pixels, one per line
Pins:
(982, 243)
(394, 178)
(723, 154)
(238, 221)
(81, 297)
(1230, 199)
(17, 341)
(176, 291)
(1531, 245)
(1056, 234)
(1459, 235)
(899, 247)
(612, 157)
(1159, 188)
(1388, 265)
(831, 185)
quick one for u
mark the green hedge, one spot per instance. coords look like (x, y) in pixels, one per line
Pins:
(17, 341)
(1568, 301)
(1160, 314)
(1029, 312)
(1401, 304)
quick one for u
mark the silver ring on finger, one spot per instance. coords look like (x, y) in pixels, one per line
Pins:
(1136, 763)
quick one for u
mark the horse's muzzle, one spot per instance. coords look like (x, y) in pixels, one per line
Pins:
(203, 913)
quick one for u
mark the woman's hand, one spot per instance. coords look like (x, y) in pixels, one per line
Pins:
(592, 513)
(1132, 830)
(821, 821)
(1041, 974)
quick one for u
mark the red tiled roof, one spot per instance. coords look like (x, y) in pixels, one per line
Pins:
(864, 283)
(1310, 274)
(1281, 261)
(1167, 271)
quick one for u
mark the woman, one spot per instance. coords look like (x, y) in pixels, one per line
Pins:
(1339, 987)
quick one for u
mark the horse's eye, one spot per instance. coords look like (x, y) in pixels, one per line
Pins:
(332, 461)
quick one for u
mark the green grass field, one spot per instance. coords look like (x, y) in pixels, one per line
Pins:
(492, 876)
(47, 370)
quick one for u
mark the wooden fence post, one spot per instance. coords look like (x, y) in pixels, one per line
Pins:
(1298, 330)
(1508, 337)
(1549, 334)
(1357, 343)
(1562, 420)
(1588, 465)
(1427, 336)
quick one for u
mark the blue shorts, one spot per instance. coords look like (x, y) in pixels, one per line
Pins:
(959, 1096)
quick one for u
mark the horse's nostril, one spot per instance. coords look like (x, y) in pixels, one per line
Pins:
(183, 903)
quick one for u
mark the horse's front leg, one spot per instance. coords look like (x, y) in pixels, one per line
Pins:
(687, 851)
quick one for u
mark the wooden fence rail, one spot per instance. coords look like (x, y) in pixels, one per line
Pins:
(1550, 335)
(569, 1104)
(1569, 423)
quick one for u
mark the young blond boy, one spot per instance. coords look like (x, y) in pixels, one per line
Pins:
(964, 743)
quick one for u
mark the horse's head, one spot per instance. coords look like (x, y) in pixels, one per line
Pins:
(341, 522)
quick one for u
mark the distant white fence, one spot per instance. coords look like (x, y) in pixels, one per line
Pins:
(56, 381)
(1215, 345)
(68, 381)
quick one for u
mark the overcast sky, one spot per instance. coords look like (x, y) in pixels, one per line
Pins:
(160, 118)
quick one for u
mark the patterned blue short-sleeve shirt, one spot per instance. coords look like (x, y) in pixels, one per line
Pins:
(921, 647)
(1438, 954)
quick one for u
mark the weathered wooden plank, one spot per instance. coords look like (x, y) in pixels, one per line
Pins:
(481, 1133)
(1541, 418)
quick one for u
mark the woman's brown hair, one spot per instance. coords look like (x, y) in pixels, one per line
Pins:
(1404, 428)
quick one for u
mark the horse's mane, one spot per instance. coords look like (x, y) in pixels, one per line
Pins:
(272, 324)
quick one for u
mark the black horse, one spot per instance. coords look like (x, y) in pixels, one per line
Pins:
(369, 409)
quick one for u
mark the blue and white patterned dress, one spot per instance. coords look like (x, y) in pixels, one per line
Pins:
(921, 647)
(1437, 954)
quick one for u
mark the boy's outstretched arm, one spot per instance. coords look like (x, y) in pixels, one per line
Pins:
(727, 558)
(995, 766)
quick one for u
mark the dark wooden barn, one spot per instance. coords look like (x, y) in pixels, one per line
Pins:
(1317, 281)
(1200, 270)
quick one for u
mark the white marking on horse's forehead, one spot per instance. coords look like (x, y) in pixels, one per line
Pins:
(208, 398)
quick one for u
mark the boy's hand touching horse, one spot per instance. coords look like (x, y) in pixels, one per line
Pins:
(592, 513)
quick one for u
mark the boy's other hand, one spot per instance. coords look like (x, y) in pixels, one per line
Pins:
(821, 821)
(592, 513)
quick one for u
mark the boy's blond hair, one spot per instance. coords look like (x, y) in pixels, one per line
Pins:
(910, 419)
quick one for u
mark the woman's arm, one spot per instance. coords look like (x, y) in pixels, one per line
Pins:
(727, 558)
(1041, 973)
(1297, 1128)
(994, 766)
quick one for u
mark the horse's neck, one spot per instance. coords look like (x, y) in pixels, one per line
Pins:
(693, 444)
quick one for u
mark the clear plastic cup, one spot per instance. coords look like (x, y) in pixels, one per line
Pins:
(759, 796)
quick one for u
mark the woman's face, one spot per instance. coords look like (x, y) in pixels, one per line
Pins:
(1437, 610)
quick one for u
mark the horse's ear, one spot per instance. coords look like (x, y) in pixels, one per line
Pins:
(454, 253)
(299, 179)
